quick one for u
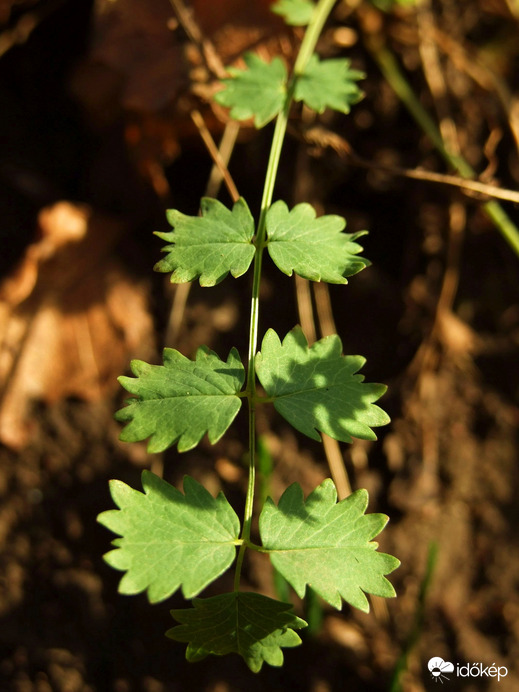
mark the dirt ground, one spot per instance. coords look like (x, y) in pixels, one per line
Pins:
(96, 102)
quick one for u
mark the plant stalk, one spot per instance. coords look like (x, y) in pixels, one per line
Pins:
(396, 79)
(319, 17)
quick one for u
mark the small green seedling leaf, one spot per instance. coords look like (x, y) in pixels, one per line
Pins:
(326, 545)
(169, 539)
(180, 401)
(294, 12)
(251, 625)
(208, 246)
(328, 84)
(314, 248)
(256, 92)
(317, 388)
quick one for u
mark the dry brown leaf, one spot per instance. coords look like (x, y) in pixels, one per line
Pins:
(235, 26)
(143, 43)
(456, 336)
(134, 39)
(70, 317)
(142, 64)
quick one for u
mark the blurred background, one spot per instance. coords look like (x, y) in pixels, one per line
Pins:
(105, 122)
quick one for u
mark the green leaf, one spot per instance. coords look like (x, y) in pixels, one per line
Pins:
(208, 246)
(169, 539)
(295, 12)
(256, 92)
(251, 625)
(315, 248)
(180, 401)
(327, 545)
(316, 388)
(328, 84)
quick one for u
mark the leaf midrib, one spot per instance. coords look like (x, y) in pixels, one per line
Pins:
(275, 397)
(350, 546)
(188, 395)
(211, 243)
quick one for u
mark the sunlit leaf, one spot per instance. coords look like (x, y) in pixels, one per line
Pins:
(169, 539)
(208, 246)
(316, 388)
(314, 248)
(327, 545)
(328, 84)
(180, 401)
(256, 92)
(294, 12)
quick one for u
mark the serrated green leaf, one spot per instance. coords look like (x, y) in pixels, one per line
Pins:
(317, 388)
(208, 246)
(256, 92)
(251, 625)
(328, 84)
(169, 539)
(314, 248)
(180, 401)
(294, 12)
(327, 545)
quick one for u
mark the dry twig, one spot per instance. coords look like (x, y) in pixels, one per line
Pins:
(320, 136)
(203, 44)
(221, 156)
(326, 326)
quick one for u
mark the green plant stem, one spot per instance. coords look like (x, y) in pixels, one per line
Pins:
(319, 17)
(396, 79)
(419, 619)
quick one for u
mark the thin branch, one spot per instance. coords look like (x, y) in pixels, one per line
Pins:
(215, 154)
(397, 80)
(322, 137)
(178, 307)
(205, 47)
(332, 450)
(305, 309)
(26, 24)
(466, 60)
(323, 304)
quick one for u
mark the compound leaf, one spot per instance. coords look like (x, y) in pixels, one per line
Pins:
(180, 401)
(328, 84)
(317, 388)
(295, 12)
(208, 246)
(327, 545)
(256, 92)
(169, 539)
(315, 248)
(251, 625)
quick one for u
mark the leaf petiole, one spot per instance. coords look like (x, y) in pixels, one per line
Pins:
(257, 548)
(265, 399)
